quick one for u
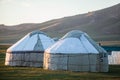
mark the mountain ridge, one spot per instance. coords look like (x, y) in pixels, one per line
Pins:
(101, 25)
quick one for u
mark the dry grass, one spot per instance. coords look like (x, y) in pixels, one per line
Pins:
(30, 73)
(108, 43)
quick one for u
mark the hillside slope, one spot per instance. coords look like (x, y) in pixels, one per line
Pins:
(101, 25)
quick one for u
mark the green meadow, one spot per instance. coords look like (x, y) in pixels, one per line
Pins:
(31, 73)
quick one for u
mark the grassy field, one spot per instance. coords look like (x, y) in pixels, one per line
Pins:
(30, 73)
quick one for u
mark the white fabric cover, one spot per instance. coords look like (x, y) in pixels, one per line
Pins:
(76, 62)
(72, 44)
(28, 43)
(76, 51)
(114, 58)
(29, 50)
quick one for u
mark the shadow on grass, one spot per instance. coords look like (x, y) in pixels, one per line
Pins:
(114, 70)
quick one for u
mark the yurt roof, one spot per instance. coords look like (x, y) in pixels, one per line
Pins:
(75, 42)
(33, 41)
(73, 34)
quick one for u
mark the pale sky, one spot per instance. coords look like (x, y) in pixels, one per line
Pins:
(13, 12)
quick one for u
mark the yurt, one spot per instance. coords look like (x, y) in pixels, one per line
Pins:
(114, 58)
(29, 50)
(76, 51)
(113, 54)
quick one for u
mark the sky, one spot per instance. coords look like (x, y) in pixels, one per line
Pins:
(14, 12)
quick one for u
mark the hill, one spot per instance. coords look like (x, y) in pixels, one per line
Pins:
(101, 25)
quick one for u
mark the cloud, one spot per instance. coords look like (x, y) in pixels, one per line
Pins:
(5, 1)
(26, 4)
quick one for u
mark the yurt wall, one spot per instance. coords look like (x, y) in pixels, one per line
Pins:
(76, 62)
(114, 58)
(30, 58)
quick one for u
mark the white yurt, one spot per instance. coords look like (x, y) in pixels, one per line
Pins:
(76, 51)
(29, 50)
(114, 58)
